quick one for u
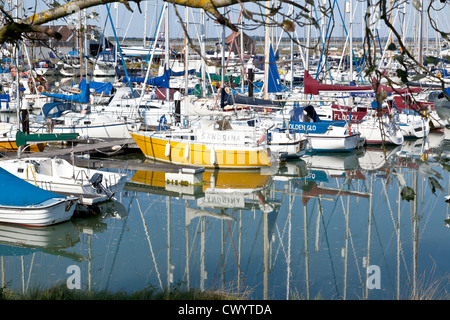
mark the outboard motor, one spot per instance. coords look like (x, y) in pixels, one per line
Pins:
(96, 181)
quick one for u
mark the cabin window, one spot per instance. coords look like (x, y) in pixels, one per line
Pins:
(19, 170)
(87, 122)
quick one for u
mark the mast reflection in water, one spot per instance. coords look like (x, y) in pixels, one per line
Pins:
(310, 228)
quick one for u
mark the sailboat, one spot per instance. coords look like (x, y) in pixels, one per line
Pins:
(90, 186)
(88, 125)
(324, 136)
(391, 127)
(212, 144)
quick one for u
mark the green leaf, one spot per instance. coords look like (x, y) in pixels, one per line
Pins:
(403, 75)
(399, 58)
(434, 184)
(408, 193)
(418, 76)
(392, 47)
(431, 60)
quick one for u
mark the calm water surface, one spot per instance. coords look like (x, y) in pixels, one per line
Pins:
(326, 226)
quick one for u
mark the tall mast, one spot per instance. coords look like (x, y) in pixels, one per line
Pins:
(266, 51)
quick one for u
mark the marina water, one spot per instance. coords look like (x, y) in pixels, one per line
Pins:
(362, 225)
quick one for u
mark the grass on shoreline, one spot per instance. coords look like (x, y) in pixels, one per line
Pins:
(61, 292)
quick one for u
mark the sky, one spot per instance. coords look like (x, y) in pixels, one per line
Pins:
(133, 24)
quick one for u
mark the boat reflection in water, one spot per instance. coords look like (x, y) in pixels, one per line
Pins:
(364, 225)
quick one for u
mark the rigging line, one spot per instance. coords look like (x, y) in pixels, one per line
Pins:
(149, 243)
(118, 244)
(129, 23)
(285, 226)
(190, 250)
(383, 251)
(238, 264)
(350, 237)
(235, 251)
(219, 262)
(29, 271)
(333, 272)
(258, 231)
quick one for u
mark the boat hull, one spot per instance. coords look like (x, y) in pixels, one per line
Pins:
(50, 212)
(112, 130)
(330, 143)
(194, 153)
(59, 176)
(11, 146)
(373, 134)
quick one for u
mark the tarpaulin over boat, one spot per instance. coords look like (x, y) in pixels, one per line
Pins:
(297, 121)
(55, 109)
(297, 113)
(161, 81)
(231, 99)
(312, 86)
(18, 192)
(99, 87)
(179, 73)
(82, 97)
(397, 90)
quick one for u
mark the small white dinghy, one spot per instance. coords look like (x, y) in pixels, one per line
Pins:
(26, 204)
(90, 186)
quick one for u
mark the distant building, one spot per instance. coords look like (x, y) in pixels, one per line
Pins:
(44, 47)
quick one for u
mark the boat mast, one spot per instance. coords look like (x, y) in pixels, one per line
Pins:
(266, 51)
(350, 78)
(145, 24)
(166, 44)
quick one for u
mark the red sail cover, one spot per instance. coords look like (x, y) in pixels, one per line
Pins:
(312, 86)
(399, 91)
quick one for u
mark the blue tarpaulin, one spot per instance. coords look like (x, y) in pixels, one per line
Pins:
(82, 97)
(99, 87)
(55, 109)
(18, 192)
(161, 81)
(5, 97)
(179, 73)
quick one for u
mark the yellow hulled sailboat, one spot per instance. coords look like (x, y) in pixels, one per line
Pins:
(212, 144)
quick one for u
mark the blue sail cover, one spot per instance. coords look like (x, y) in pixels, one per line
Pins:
(5, 97)
(274, 84)
(297, 123)
(55, 109)
(179, 73)
(82, 97)
(161, 81)
(99, 87)
(18, 192)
